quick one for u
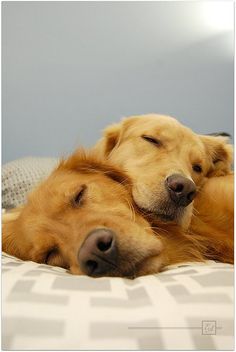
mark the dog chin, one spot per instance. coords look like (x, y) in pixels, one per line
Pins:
(181, 216)
(166, 217)
(166, 213)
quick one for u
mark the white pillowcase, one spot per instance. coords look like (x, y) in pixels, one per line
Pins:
(187, 307)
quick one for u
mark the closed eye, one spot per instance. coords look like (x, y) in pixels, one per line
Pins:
(52, 253)
(77, 200)
(152, 140)
(55, 258)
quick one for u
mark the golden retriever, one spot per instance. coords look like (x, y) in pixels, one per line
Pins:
(169, 164)
(82, 218)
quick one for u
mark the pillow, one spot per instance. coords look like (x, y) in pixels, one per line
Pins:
(20, 176)
(186, 307)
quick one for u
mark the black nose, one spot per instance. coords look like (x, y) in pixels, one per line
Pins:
(181, 190)
(98, 253)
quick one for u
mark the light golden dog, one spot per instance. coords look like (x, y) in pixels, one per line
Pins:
(167, 162)
(82, 218)
(169, 165)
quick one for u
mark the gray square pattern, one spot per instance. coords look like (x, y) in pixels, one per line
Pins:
(187, 307)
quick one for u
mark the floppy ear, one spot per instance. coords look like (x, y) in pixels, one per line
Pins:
(113, 134)
(220, 153)
(110, 139)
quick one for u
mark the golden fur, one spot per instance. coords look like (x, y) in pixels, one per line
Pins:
(52, 223)
(177, 149)
(213, 218)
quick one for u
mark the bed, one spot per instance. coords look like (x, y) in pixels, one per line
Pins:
(187, 307)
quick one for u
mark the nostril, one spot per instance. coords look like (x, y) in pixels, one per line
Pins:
(104, 245)
(178, 187)
(175, 186)
(91, 265)
(191, 195)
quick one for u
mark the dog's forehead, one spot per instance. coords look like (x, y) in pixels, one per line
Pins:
(66, 181)
(167, 129)
(159, 125)
(64, 184)
(91, 166)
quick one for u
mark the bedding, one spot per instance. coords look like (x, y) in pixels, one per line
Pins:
(20, 176)
(186, 307)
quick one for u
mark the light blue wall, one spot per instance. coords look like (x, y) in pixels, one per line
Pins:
(71, 68)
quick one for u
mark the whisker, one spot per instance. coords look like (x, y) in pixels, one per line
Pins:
(133, 218)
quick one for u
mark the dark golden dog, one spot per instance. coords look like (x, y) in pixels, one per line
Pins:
(82, 218)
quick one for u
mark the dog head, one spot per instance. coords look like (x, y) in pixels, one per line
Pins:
(82, 218)
(166, 161)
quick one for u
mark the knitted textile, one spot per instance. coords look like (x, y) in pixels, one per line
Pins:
(20, 176)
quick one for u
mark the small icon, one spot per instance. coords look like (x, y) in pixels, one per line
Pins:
(208, 327)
